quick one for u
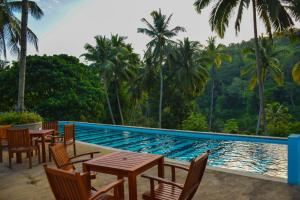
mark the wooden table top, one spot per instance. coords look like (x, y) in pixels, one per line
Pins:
(41, 132)
(125, 161)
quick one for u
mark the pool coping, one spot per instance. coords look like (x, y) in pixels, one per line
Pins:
(195, 134)
(218, 169)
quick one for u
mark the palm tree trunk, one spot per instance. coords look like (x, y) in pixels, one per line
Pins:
(119, 104)
(211, 104)
(109, 105)
(161, 93)
(261, 116)
(4, 45)
(22, 63)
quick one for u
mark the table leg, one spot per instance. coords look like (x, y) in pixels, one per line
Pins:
(19, 157)
(160, 168)
(132, 187)
(43, 149)
(121, 189)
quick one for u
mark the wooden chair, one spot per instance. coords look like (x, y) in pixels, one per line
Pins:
(64, 162)
(77, 186)
(49, 125)
(19, 141)
(3, 139)
(175, 191)
(67, 139)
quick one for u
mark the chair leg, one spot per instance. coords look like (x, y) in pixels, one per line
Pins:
(74, 149)
(30, 159)
(9, 159)
(1, 153)
(39, 154)
(49, 151)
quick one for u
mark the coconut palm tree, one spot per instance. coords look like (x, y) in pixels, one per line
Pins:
(274, 14)
(191, 68)
(215, 55)
(116, 62)
(161, 36)
(271, 66)
(10, 26)
(125, 61)
(99, 56)
(296, 73)
(36, 13)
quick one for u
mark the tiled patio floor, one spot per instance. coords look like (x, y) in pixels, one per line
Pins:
(23, 183)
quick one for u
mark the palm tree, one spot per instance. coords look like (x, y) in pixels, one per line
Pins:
(125, 62)
(36, 13)
(116, 62)
(274, 14)
(99, 56)
(271, 66)
(161, 36)
(190, 67)
(10, 26)
(215, 55)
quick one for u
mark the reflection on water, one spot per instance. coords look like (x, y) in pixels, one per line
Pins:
(260, 158)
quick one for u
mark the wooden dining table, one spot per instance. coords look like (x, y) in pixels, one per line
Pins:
(42, 134)
(126, 164)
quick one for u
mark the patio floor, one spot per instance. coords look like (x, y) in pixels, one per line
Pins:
(23, 183)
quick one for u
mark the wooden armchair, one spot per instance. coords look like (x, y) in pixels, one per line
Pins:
(67, 139)
(77, 186)
(175, 191)
(3, 139)
(64, 162)
(48, 125)
(19, 141)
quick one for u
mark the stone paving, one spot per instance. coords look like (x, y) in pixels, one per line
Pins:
(31, 184)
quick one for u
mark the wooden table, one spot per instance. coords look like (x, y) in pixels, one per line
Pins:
(126, 164)
(42, 134)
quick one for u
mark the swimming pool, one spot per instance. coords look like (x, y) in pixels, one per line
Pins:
(263, 156)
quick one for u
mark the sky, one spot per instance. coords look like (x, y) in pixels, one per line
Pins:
(69, 24)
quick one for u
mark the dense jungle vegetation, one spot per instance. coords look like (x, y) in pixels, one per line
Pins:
(60, 87)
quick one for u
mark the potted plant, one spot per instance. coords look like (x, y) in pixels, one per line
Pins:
(28, 120)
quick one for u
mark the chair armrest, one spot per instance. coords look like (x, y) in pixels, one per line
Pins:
(73, 162)
(84, 154)
(108, 187)
(176, 166)
(161, 180)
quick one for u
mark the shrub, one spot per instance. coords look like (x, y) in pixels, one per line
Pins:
(295, 127)
(19, 118)
(231, 126)
(278, 119)
(195, 122)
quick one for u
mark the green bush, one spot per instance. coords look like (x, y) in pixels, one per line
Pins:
(231, 126)
(278, 120)
(295, 127)
(19, 118)
(195, 122)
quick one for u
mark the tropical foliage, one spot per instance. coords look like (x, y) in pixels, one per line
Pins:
(178, 84)
(275, 15)
(19, 118)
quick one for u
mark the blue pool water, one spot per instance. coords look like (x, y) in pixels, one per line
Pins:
(258, 157)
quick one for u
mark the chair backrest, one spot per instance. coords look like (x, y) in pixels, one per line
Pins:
(61, 157)
(69, 132)
(3, 131)
(68, 185)
(194, 176)
(50, 125)
(18, 138)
